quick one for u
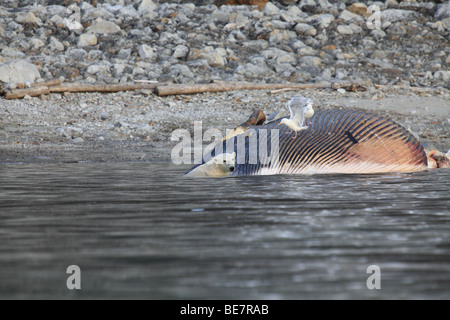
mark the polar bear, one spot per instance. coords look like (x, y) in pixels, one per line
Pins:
(221, 165)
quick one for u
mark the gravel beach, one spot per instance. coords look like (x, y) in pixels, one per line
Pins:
(402, 59)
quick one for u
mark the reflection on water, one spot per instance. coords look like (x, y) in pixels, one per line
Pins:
(138, 230)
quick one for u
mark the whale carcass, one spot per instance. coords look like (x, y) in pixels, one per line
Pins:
(336, 141)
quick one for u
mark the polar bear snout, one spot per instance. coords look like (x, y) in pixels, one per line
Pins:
(232, 168)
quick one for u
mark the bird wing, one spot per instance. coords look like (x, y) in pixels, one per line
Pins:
(299, 116)
(291, 111)
(273, 116)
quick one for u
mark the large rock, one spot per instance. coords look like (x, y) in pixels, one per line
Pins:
(147, 53)
(322, 20)
(19, 71)
(56, 45)
(36, 43)
(147, 6)
(12, 54)
(252, 71)
(347, 15)
(292, 14)
(443, 75)
(350, 29)
(215, 57)
(180, 70)
(360, 9)
(343, 29)
(28, 18)
(394, 15)
(54, 10)
(180, 52)
(76, 54)
(305, 29)
(309, 61)
(270, 9)
(87, 39)
(101, 26)
(281, 36)
(103, 67)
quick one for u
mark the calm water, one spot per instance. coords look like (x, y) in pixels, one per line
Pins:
(138, 230)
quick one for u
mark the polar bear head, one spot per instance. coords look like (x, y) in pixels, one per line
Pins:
(221, 165)
(226, 161)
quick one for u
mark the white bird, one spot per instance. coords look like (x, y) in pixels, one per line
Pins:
(300, 109)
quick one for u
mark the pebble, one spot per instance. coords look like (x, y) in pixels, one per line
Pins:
(147, 53)
(78, 140)
(271, 9)
(342, 29)
(443, 75)
(101, 26)
(180, 52)
(70, 132)
(56, 45)
(348, 16)
(394, 15)
(147, 6)
(101, 67)
(378, 34)
(252, 71)
(29, 18)
(323, 20)
(305, 29)
(76, 53)
(37, 43)
(309, 61)
(87, 39)
(360, 9)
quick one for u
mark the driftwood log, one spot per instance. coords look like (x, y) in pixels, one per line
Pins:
(73, 87)
(47, 83)
(55, 86)
(175, 89)
(69, 87)
(32, 92)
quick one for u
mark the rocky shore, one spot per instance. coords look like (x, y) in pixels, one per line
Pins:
(310, 40)
(393, 47)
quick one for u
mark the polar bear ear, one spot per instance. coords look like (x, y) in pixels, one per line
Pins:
(233, 155)
(216, 160)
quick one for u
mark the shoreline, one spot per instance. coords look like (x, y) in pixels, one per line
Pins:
(137, 126)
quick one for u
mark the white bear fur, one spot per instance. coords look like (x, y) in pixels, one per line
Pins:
(219, 166)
